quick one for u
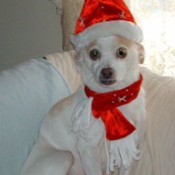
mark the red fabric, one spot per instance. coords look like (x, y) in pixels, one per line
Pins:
(96, 11)
(105, 105)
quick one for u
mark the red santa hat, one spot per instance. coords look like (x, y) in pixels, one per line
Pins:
(101, 18)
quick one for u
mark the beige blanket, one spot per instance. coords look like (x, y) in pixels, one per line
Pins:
(158, 147)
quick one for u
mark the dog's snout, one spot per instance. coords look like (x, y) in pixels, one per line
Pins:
(107, 73)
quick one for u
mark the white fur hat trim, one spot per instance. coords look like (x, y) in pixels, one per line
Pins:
(123, 28)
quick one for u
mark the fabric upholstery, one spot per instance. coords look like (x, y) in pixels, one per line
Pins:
(65, 63)
(27, 92)
(70, 10)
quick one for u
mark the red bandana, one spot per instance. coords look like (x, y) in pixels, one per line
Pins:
(105, 105)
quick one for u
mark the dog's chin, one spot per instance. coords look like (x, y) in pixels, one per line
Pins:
(107, 83)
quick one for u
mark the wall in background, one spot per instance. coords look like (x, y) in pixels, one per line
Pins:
(28, 29)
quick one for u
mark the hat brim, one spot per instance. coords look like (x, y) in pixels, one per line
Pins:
(123, 28)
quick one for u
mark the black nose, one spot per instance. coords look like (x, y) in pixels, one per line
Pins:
(107, 73)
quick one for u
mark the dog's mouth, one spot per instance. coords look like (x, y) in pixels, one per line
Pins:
(107, 76)
(107, 82)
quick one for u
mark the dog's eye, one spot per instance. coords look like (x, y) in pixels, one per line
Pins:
(121, 52)
(94, 54)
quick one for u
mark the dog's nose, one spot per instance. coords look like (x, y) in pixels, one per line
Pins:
(107, 73)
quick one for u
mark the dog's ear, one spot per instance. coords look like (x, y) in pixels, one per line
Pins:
(75, 57)
(75, 43)
(141, 52)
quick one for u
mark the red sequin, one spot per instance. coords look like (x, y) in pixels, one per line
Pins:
(105, 105)
(96, 11)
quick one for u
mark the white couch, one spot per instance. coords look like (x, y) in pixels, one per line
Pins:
(28, 91)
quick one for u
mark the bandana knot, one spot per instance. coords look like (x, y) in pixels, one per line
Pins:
(105, 106)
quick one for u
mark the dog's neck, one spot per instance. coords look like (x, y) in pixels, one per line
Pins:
(105, 105)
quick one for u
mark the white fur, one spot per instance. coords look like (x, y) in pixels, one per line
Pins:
(126, 29)
(71, 140)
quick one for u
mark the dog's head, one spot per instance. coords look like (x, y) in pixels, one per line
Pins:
(110, 63)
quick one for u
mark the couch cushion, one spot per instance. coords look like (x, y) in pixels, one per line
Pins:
(65, 62)
(27, 93)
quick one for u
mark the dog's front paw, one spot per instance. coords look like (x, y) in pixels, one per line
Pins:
(123, 152)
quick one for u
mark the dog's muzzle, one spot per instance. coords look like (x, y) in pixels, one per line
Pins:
(107, 76)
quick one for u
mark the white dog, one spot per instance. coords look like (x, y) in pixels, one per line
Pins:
(72, 141)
